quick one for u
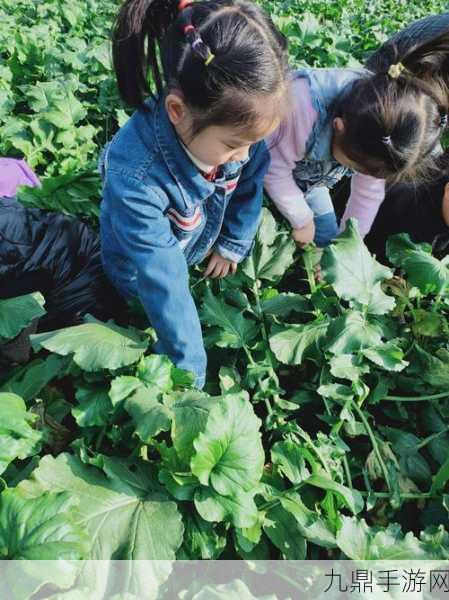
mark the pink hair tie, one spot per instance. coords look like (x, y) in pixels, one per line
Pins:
(184, 4)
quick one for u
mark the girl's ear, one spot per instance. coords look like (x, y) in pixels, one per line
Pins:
(176, 108)
(339, 125)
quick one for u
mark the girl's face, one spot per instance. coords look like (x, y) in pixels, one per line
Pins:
(217, 144)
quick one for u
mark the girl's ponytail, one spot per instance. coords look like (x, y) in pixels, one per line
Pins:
(422, 47)
(139, 27)
(220, 54)
(396, 115)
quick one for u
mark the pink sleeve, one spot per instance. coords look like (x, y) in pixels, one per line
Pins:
(14, 173)
(287, 145)
(367, 194)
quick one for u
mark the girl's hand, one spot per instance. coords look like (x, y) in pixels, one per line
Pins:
(304, 235)
(219, 266)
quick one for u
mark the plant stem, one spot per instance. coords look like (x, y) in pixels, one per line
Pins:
(404, 495)
(295, 488)
(260, 314)
(253, 363)
(347, 471)
(271, 503)
(309, 269)
(249, 355)
(432, 437)
(100, 438)
(416, 398)
(374, 443)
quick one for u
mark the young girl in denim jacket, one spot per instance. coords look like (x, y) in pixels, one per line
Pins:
(183, 179)
(381, 124)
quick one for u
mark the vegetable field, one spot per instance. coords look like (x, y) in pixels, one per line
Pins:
(323, 431)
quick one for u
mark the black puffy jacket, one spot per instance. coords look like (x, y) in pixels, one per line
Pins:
(59, 256)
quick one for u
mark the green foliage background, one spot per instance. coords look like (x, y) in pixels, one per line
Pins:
(326, 415)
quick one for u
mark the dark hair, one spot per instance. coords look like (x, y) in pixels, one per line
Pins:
(250, 57)
(394, 117)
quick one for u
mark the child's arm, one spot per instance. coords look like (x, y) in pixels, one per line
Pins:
(243, 211)
(146, 237)
(367, 194)
(287, 146)
(13, 173)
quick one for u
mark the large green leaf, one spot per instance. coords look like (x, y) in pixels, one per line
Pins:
(233, 330)
(17, 313)
(94, 406)
(347, 366)
(240, 509)
(289, 460)
(95, 345)
(388, 356)
(355, 275)
(155, 371)
(122, 387)
(17, 438)
(36, 534)
(361, 542)
(190, 414)
(292, 344)
(352, 332)
(228, 454)
(149, 414)
(123, 520)
(282, 305)
(352, 498)
(423, 270)
(283, 530)
(42, 528)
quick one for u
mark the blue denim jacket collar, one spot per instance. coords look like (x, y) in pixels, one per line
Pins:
(193, 186)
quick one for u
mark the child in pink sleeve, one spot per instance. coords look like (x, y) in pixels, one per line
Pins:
(14, 173)
(344, 121)
(308, 208)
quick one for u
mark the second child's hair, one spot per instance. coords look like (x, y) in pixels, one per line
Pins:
(220, 54)
(395, 116)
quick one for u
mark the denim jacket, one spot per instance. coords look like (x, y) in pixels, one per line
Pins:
(319, 167)
(159, 215)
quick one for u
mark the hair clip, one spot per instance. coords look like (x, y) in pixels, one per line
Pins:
(386, 139)
(197, 43)
(443, 120)
(209, 59)
(395, 70)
